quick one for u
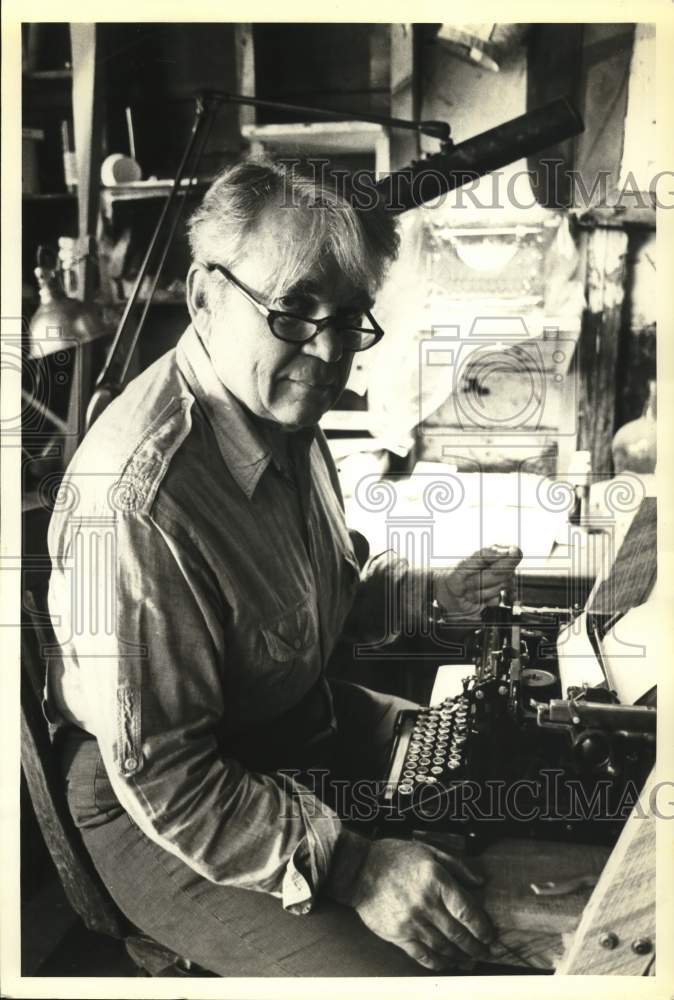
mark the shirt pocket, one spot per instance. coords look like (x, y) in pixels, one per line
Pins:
(293, 635)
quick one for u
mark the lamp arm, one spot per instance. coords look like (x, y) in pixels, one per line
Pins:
(436, 129)
(398, 192)
(440, 173)
(113, 373)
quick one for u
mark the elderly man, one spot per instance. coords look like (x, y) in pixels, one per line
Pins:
(202, 573)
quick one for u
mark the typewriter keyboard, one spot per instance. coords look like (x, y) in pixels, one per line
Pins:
(430, 748)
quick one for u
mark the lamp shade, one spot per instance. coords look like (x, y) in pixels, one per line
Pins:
(60, 323)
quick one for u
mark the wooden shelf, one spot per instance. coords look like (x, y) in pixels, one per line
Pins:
(48, 74)
(319, 137)
(138, 190)
(50, 196)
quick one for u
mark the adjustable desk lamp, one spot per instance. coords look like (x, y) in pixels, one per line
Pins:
(424, 180)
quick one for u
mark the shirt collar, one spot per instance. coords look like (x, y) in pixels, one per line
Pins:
(245, 448)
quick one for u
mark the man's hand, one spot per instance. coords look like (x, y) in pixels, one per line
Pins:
(410, 894)
(477, 581)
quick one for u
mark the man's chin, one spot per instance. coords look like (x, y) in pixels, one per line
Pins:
(303, 409)
(295, 417)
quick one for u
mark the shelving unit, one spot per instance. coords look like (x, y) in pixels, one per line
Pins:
(343, 144)
(323, 138)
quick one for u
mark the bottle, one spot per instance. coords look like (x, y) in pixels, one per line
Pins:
(69, 158)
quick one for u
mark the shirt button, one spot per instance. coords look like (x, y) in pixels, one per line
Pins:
(130, 763)
(297, 644)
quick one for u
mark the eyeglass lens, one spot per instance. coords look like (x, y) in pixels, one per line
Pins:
(292, 328)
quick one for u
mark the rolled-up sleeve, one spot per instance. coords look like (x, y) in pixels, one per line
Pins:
(152, 686)
(391, 597)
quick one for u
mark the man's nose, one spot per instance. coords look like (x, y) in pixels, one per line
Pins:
(328, 346)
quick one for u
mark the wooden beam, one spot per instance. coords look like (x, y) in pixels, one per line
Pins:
(597, 349)
(87, 119)
(244, 54)
(404, 146)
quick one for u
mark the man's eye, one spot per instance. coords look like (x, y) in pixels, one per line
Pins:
(296, 304)
(352, 319)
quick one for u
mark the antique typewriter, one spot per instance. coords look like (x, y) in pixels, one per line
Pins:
(538, 742)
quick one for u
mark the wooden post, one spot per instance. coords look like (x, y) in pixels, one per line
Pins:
(597, 349)
(87, 118)
(404, 145)
(244, 54)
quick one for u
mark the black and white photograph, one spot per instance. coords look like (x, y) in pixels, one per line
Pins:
(331, 616)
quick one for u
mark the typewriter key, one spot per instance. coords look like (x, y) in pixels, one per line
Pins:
(436, 770)
(405, 789)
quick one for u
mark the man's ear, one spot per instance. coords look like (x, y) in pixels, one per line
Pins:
(197, 301)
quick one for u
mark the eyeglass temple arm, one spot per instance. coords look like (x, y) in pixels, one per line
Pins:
(260, 306)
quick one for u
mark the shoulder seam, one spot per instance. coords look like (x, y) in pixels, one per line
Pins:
(142, 472)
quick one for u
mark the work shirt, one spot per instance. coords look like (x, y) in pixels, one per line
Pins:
(200, 581)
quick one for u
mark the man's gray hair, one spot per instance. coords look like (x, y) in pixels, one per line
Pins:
(320, 223)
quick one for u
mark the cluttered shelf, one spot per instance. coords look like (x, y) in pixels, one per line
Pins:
(48, 196)
(47, 74)
(151, 188)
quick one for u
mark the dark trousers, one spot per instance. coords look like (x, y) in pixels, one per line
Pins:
(236, 932)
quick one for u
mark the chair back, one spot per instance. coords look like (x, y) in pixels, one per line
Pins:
(82, 884)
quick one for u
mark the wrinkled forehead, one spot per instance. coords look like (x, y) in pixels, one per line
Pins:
(291, 249)
(326, 280)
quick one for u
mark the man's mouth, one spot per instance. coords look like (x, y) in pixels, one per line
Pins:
(316, 386)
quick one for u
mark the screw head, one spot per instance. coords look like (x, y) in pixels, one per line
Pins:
(608, 940)
(642, 946)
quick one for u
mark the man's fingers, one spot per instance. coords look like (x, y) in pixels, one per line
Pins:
(431, 936)
(458, 868)
(424, 955)
(491, 556)
(467, 914)
(492, 601)
(492, 591)
(493, 576)
(461, 938)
